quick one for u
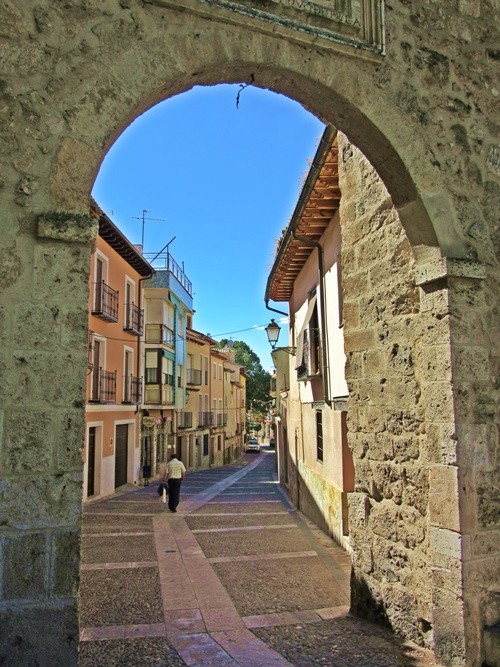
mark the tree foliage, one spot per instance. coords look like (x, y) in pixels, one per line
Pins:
(258, 382)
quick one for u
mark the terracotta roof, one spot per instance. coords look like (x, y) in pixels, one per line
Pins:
(317, 204)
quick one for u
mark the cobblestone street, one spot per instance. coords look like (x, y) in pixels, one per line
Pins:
(235, 577)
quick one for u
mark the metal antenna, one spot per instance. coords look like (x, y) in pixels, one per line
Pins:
(143, 218)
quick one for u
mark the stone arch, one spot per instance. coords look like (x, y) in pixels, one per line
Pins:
(86, 71)
(425, 210)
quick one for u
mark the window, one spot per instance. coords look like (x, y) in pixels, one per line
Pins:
(151, 372)
(319, 435)
(308, 362)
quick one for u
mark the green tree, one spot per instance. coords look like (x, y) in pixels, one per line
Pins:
(259, 380)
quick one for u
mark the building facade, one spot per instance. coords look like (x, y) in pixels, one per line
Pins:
(114, 376)
(315, 462)
(168, 304)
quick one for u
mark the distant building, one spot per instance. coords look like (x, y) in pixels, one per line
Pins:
(168, 305)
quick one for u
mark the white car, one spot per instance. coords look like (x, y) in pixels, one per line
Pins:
(252, 445)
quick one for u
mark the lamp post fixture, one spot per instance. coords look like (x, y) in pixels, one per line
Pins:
(273, 333)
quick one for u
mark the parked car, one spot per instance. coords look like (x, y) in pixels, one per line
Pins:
(252, 445)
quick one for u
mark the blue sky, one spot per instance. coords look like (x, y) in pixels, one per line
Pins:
(224, 181)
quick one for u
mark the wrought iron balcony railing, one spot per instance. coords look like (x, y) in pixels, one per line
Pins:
(218, 418)
(204, 418)
(105, 302)
(132, 390)
(184, 420)
(134, 319)
(194, 376)
(103, 386)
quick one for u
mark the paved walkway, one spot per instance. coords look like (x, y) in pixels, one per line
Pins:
(235, 578)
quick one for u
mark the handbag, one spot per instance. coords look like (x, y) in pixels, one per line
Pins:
(161, 488)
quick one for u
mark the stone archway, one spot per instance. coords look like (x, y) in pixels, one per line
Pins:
(75, 77)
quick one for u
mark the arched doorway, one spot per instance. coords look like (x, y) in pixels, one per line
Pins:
(92, 71)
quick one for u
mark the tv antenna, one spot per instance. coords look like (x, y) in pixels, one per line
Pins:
(143, 218)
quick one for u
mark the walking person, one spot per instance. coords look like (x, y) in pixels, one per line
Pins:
(174, 474)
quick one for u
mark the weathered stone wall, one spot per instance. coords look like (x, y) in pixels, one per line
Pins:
(414, 522)
(74, 74)
(43, 352)
(388, 399)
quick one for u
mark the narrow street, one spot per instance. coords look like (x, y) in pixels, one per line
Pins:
(236, 577)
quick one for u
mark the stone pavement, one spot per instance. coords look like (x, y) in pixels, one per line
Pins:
(236, 577)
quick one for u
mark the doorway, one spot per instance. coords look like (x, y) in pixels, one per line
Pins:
(121, 454)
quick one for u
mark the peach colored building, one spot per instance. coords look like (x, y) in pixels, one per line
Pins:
(114, 377)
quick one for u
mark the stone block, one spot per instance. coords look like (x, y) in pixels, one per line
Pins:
(24, 370)
(68, 444)
(411, 528)
(384, 520)
(39, 635)
(25, 567)
(444, 511)
(37, 325)
(439, 402)
(72, 227)
(449, 630)
(61, 272)
(359, 510)
(27, 445)
(446, 542)
(40, 501)
(356, 341)
(488, 493)
(470, 362)
(66, 563)
(75, 328)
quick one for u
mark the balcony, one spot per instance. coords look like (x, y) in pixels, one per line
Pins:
(105, 302)
(134, 320)
(194, 376)
(132, 390)
(159, 334)
(103, 386)
(90, 350)
(204, 419)
(218, 419)
(158, 394)
(184, 420)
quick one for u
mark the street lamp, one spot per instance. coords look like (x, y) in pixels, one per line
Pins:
(273, 333)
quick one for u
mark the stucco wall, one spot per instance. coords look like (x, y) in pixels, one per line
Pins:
(74, 75)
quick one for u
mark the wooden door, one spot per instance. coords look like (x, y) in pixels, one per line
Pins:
(121, 454)
(91, 462)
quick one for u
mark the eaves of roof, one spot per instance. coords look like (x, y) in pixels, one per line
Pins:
(114, 238)
(317, 204)
(198, 337)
